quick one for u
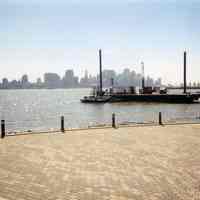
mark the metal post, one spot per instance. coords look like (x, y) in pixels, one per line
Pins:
(100, 71)
(62, 124)
(113, 121)
(160, 118)
(185, 73)
(3, 132)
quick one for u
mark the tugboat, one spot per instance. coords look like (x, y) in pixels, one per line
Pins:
(145, 94)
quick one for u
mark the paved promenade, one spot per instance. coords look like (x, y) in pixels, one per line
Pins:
(150, 163)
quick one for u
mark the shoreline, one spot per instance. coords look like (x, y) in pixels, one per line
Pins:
(99, 127)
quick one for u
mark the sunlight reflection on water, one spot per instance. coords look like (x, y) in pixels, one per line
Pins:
(41, 110)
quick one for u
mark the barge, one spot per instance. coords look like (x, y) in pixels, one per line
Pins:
(145, 94)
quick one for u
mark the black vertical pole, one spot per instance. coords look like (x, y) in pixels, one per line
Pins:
(112, 82)
(62, 124)
(160, 118)
(143, 84)
(185, 83)
(3, 132)
(100, 71)
(113, 121)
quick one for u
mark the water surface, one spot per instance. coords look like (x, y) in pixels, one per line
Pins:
(41, 110)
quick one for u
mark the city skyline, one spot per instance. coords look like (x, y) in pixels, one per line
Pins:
(49, 36)
(70, 80)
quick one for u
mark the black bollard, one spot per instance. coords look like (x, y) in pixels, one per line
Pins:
(113, 121)
(160, 118)
(62, 124)
(3, 132)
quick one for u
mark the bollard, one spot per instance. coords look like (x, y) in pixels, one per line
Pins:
(160, 118)
(113, 121)
(62, 124)
(3, 132)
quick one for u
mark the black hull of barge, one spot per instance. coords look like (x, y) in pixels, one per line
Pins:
(165, 98)
(168, 98)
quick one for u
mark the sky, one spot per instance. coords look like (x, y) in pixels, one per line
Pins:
(39, 36)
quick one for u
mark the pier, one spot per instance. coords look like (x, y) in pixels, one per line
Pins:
(154, 162)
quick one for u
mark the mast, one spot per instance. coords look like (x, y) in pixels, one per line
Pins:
(100, 72)
(184, 73)
(142, 64)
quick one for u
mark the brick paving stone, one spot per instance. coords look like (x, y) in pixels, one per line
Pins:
(124, 164)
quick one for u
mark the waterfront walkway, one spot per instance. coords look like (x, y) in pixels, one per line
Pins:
(155, 162)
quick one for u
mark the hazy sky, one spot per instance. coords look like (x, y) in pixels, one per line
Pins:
(38, 36)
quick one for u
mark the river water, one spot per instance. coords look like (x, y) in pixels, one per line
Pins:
(41, 110)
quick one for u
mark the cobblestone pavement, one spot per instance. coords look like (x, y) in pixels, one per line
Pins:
(125, 163)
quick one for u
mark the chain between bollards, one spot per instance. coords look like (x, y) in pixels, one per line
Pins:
(3, 132)
(62, 128)
(113, 121)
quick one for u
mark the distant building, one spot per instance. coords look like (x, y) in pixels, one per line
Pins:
(5, 83)
(52, 80)
(107, 76)
(69, 80)
(158, 82)
(149, 81)
(24, 81)
(84, 82)
(88, 80)
(126, 78)
(14, 84)
(39, 81)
